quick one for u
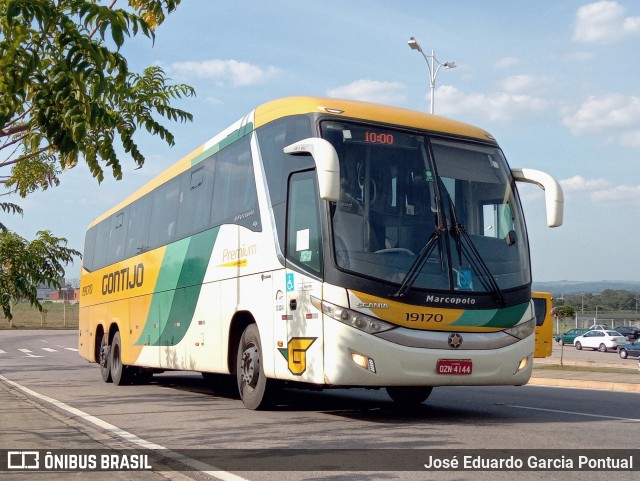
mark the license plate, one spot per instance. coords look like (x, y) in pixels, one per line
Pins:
(454, 366)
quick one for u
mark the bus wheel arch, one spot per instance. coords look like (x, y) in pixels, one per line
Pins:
(241, 320)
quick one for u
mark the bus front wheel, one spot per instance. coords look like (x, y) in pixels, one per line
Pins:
(256, 391)
(409, 395)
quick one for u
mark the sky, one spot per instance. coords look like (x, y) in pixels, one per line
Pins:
(555, 82)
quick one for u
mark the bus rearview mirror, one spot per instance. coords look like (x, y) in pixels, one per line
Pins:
(554, 198)
(327, 164)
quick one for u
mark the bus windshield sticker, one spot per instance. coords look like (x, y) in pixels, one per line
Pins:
(302, 240)
(464, 279)
(305, 256)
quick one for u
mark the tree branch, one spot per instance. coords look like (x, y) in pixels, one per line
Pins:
(7, 131)
(25, 157)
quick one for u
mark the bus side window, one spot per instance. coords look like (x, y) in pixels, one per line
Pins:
(235, 199)
(196, 191)
(303, 232)
(164, 212)
(90, 248)
(138, 233)
(102, 241)
(117, 236)
(277, 165)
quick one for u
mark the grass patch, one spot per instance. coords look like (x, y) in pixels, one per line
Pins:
(54, 316)
(611, 370)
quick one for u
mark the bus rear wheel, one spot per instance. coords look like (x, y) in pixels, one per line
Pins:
(120, 374)
(409, 395)
(256, 391)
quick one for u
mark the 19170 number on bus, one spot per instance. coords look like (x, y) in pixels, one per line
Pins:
(423, 317)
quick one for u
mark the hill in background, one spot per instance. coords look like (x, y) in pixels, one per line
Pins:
(583, 287)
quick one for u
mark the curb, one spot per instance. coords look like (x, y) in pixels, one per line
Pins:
(584, 384)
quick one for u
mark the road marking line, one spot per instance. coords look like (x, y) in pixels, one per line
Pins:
(130, 437)
(27, 353)
(2, 352)
(575, 413)
(71, 349)
(48, 349)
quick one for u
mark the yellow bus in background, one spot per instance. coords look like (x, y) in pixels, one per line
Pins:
(543, 308)
(320, 243)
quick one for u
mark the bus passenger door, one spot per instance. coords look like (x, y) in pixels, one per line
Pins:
(303, 352)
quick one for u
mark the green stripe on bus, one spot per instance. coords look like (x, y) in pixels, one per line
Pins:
(505, 318)
(188, 289)
(177, 289)
(228, 140)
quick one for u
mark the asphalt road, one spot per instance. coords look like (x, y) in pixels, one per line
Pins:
(51, 399)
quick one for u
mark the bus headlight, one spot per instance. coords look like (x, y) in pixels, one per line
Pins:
(355, 319)
(522, 330)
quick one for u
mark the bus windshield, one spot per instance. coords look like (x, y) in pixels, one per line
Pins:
(426, 212)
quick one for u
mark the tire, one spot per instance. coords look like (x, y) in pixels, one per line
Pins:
(602, 348)
(104, 358)
(623, 353)
(409, 395)
(120, 374)
(256, 391)
(578, 346)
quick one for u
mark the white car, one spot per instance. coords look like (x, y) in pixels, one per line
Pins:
(600, 340)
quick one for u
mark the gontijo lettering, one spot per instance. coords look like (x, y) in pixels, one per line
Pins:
(122, 280)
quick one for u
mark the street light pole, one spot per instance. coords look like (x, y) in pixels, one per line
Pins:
(433, 65)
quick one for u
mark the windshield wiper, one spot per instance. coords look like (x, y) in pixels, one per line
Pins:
(469, 250)
(417, 265)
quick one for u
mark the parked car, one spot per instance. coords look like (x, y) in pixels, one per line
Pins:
(632, 349)
(631, 333)
(600, 340)
(597, 327)
(569, 336)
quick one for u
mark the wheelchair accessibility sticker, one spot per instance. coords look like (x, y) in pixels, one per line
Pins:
(290, 284)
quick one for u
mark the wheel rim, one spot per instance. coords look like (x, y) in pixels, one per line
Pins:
(623, 354)
(603, 348)
(104, 356)
(250, 366)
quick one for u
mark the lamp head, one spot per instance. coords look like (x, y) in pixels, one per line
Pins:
(413, 43)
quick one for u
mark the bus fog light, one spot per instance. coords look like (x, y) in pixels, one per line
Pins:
(364, 362)
(523, 363)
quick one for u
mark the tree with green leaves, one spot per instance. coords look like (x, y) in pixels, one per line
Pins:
(564, 312)
(67, 95)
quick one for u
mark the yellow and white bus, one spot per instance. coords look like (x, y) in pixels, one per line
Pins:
(543, 310)
(320, 243)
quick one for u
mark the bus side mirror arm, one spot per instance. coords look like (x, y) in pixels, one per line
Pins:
(327, 164)
(554, 197)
